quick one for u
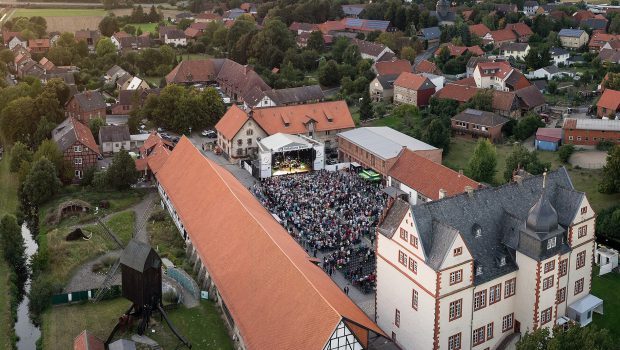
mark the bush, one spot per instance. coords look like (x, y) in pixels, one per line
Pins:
(41, 293)
(604, 145)
(565, 152)
(159, 216)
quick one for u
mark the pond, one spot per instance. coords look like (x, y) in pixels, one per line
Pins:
(27, 332)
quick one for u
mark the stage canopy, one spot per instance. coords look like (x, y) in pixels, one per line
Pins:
(285, 143)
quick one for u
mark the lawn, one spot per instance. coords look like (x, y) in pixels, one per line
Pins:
(8, 204)
(59, 12)
(164, 235)
(606, 287)
(146, 27)
(8, 188)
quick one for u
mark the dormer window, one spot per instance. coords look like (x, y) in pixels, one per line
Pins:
(477, 230)
(502, 261)
(551, 243)
(478, 270)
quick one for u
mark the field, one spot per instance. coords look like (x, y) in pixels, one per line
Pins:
(606, 287)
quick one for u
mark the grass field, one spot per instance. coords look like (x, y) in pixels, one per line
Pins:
(21, 12)
(8, 204)
(606, 287)
(145, 27)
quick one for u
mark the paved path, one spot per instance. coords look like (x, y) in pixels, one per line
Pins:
(142, 209)
(589, 159)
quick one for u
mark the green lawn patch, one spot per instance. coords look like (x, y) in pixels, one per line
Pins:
(606, 287)
(8, 204)
(8, 187)
(587, 180)
(146, 27)
(391, 121)
(165, 236)
(59, 12)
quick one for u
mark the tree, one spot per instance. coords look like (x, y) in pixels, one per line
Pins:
(565, 152)
(7, 56)
(95, 124)
(438, 135)
(59, 88)
(571, 338)
(610, 183)
(608, 223)
(328, 74)
(520, 157)
(18, 120)
(338, 47)
(365, 108)
(19, 153)
(108, 25)
(483, 162)
(315, 42)
(153, 15)
(105, 46)
(122, 172)
(40, 184)
(408, 53)
(49, 149)
(527, 126)
(13, 246)
(351, 55)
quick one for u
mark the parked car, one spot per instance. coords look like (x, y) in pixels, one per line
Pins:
(209, 133)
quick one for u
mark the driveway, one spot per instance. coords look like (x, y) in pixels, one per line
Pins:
(589, 159)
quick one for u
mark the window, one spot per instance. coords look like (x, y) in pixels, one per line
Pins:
(584, 210)
(582, 231)
(455, 309)
(239, 151)
(502, 261)
(456, 277)
(403, 234)
(413, 240)
(545, 316)
(562, 267)
(397, 318)
(454, 342)
(560, 296)
(495, 294)
(480, 300)
(414, 299)
(413, 265)
(402, 258)
(78, 174)
(458, 251)
(239, 142)
(548, 282)
(478, 270)
(570, 137)
(509, 287)
(551, 243)
(249, 142)
(478, 336)
(579, 286)
(581, 259)
(549, 266)
(249, 132)
(507, 322)
(77, 161)
(77, 149)
(490, 331)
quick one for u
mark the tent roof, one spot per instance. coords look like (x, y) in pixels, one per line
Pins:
(586, 303)
(285, 142)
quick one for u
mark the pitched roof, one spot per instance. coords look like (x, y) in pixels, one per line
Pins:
(520, 28)
(392, 67)
(517, 80)
(231, 122)
(384, 141)
(500, 69)
(558, 51)
(483, 118)
(270, 271)
(428, 177)
(40, 43)
(458, 93)
(387, 81)
(592, 124)
(366, 25)
(70, 131)
(530, 97)
(353, 9)
(194, 71)
(114, 133)
(368, 47)
(431, 33)
(192, 32)
(574, 33)
(306, 27)
(503, 35)
(333, 115)
(514, 46)
(549, 134)
(426, 66)
(174, 34)
(87, 341)
(294, 95)
(413, 81)
(90, 100)
(610, 99)
(241, 78)
(504, 101)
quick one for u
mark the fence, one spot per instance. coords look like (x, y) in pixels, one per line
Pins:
(185, 280)
(336, 167)
(74, 297)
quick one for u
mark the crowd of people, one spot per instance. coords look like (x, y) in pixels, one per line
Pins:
(329, 212)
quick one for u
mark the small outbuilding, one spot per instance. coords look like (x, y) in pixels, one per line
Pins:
(114, 138)
(581, 310)
(548, 139)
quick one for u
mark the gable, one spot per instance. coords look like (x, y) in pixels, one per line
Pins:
(452, 258)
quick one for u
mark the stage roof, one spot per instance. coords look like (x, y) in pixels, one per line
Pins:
(285, 142)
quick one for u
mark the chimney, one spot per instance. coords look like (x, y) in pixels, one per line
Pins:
(469, 190)
(442, 193)
(460, 172)
(518, 179)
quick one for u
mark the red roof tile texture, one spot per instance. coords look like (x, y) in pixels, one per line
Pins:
(479, 29)
(276, 296)
(87, 341)
(393, 67)
(333, 115)
(84, 135)
(411, 81)
(232, 121)
(458, 93)
(610, 100)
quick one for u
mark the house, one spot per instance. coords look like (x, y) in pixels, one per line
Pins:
(394, 66)
(573, 38)
(77, 144)
(39, 45)
(530, 99)
(479, 30)
(89, 36)
(551, 72)
(444, 14)
(522, 30)
(559, 56)
(459, 93)
(7, 36)
(506, 104)
(114, 138)
(426, 66)
(125, 42)
(609, 104)
(499, 75)
(238, 131)
(232, 15)
(548, 139)
(154, 153)
(477, 123)
(192, 33)
(599, 40)
(437, 80)
(378, 148)
(472, 63)
(113, 74)
(587, 19)
(285, 97)
(456, 51)
(215, 215)
(414, 89)
(302, 39)
(353, 10)
(195, 72)
(85, 106)
(127, 99)
(17, 40)
(530, 7)
(175, 38)
(207, 18)
(589, 132)
(47, 64)
(609, 56)
(31, 68)
(469, 271)
(423, 180)
(381, 88)
(371, 50)
(517, 51)
(299, 27)
(498, 37)
(365, 25)
(135, 83)
(431, 35)
(506, 8)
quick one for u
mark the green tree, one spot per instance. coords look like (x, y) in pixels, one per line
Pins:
(482, 165)
(438, 135)
(365, 108)
(565, 152)
(95, 124)
(153, 15)
(49, 149)
(329, 74)
(122, 172)
(315, 42)
(482, 100)
(13, 246)
(18, 120)
(104, 47)
(19, 153)
(608, 223)
(351, 55)
(408, 53)
(338, 48)
(40, 184)
(527, 126)
(573, 337)
(108, 25)
(59, 88)
(7, 56)
(610, 183)
(520, 157)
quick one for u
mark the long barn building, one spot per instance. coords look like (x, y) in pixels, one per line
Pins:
(274, 295)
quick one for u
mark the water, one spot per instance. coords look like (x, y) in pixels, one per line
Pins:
(27, 332)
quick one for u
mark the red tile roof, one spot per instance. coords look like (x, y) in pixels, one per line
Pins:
(412, 81)
(232, 121)
(428, 177)
(41, 43)
(610, 99)
(329, 26)
(426, 66)
(466, 82)
(332, 115)
(192, 32)
(498, 69)
(189, 71)
(479, 29)
(503, 35)
(276, 296)
(393, 67)
(84, 135)
(87, 341)
(521, 29)
(458, 93)
(549, 134)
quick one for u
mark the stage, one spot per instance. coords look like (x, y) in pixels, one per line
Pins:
(301, 168)
(282, 154)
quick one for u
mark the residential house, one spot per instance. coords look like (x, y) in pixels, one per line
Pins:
(373, 51)
(232, 15)
(414, 89)
(589, 132)
(7, 36)
(302, 39)
(610, 52)
(559, 56)
(479, 30)
(506, 8)
(207, 18)
(77, 144)
(378, 148)
(356, 25)
(195, 72)
(423, 180)
(114, 138)
(517, 51)
(573, 38)
(353, 10)
(154, 153)
(426, 66)
(459, 93)
(530, 7)
(500, 76)
(85, 106)
(89, 36)
(437, 80)
(522, 30)
(47, 64)
(609, 104)
(431, 35)
(175, 38)
(17, 40)
(126, 42)
(40, 46)
(284, 97)
(31, 68)
(551, 72)
(113, 74)
(471, 270)
(135, 83)
(477, 123)
(300, 28)
(530, 99)
(381, 88)
(127, 99)
(498, 37)
(446, 16)
(587, 19)
(395, 66)
(456, 51)
(472, 63)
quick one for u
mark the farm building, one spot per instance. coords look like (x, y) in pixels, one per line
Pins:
(548, 139)
(589, 132)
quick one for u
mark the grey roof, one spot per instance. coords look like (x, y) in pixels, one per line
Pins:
(296, 95)
(394, 217)
(114, 133)
(558, 51)
(575, 33)
(64, 135)
(175, 34)
(90, 100)
(136, 255)
(448, 17)
(383, 141)
(530, 3)
(353, 10)
(480, 117)
(387, 81)
(514, 46)
(123, 344)
(598, 124)
(431, 33)
(115, 72)
(595, 23)
(499, 212)
(551, 69)
(530, 97)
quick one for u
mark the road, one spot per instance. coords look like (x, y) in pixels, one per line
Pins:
(425, 55)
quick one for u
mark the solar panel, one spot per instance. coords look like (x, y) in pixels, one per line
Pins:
(354, 22)
(375, 24)
(474, 112)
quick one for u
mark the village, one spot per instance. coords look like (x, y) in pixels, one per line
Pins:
(309, 175)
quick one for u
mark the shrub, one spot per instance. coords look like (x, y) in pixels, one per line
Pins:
(565, 152)
(604, 145)
(158, 216)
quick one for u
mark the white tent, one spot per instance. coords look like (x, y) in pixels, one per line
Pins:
(581, 310)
